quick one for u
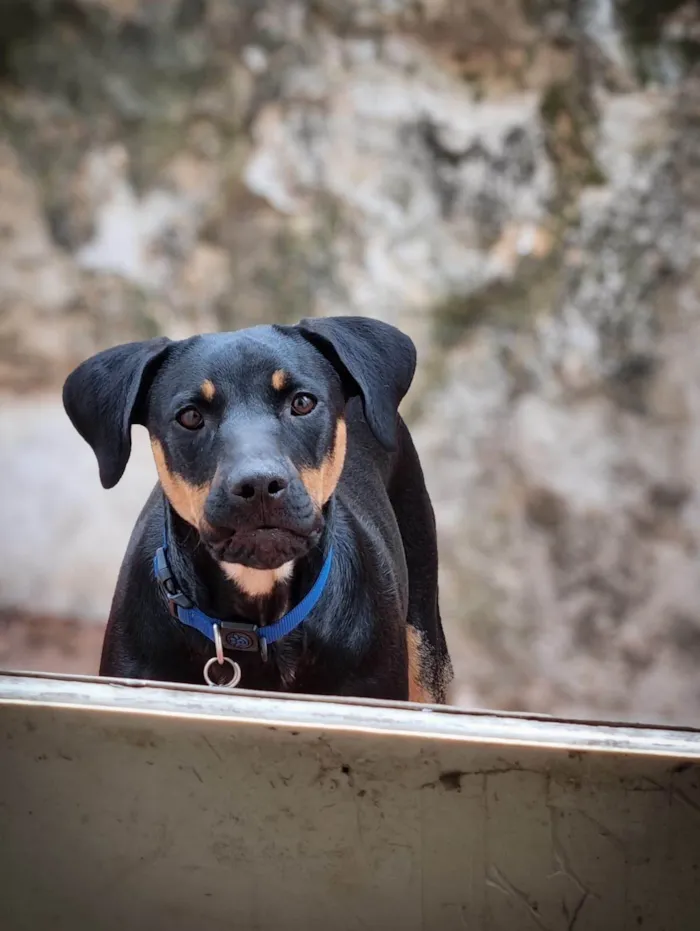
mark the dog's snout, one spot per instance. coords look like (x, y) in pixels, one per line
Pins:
(260, 486)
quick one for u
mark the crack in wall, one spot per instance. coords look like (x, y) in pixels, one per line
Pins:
(497, 880)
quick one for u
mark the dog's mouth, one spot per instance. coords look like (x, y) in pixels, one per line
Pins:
(264, 547)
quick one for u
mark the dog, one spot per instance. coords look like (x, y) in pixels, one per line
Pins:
(290, 542)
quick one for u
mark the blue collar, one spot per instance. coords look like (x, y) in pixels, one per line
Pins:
(234, 634)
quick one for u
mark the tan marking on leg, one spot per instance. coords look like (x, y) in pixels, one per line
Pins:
(256, 583)
(443, 680)
(322, 482)
(279, 379)
(207, 389)
(417, 690)
(188, 500)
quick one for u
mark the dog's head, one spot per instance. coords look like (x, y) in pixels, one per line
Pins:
(247, 428)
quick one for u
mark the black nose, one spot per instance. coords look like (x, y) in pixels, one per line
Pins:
(260, 486)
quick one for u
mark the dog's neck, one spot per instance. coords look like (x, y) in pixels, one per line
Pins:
(231, 591)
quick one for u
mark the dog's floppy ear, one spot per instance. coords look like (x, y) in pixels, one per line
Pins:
(103, 398)
(374, 359)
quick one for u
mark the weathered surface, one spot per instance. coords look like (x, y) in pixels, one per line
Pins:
(515, 183)
(393, 816)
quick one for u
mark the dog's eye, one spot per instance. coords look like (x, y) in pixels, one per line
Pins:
(303, 404)
(190, 418)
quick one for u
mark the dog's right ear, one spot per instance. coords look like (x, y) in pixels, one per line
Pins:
(104, 396)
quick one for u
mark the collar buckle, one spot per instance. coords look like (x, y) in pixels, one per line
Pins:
(176, 601)
(174, 596)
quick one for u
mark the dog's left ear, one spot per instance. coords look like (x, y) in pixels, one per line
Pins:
(374, 359)
(105, 395)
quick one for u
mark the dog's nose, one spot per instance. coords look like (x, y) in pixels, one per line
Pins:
(260, 486)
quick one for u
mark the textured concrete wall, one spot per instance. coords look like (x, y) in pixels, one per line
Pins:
(514, 183)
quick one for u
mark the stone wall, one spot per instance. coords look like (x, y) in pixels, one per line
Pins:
(515, 183)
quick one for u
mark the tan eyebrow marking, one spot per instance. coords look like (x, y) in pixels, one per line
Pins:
(279, 379)
(207, 389)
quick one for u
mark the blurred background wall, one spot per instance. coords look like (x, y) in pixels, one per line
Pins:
(515, 183)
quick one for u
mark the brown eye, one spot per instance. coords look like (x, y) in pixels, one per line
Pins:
(190, 418)
(303, 404)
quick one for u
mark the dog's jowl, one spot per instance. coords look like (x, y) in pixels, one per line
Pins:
(290, 542)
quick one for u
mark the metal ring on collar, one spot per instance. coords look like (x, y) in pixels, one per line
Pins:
(235, 678)
(218, 645)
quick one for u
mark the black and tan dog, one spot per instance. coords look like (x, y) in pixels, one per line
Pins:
(292, 531)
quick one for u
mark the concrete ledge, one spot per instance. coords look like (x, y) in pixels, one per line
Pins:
(125, 804)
